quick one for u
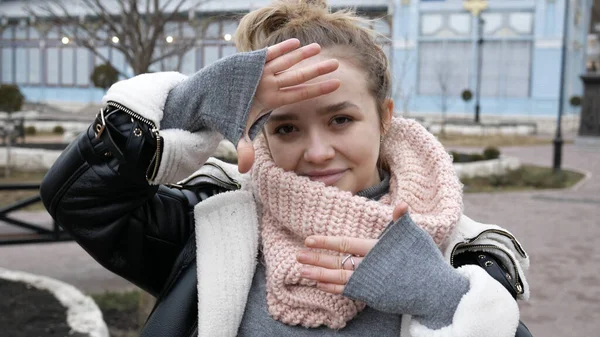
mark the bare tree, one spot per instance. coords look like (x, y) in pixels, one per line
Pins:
(139, 26)
(404, 92)
(444, 72)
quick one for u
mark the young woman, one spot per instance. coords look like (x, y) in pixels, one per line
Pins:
(350, 222)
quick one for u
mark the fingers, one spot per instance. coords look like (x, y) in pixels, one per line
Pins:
(400, 210)
(286, 61)
(302, 92)
(327, 260)
(354, 246)
(282, 48)
(245, 152)
(296, 77)
(334, 276)
(331, 288)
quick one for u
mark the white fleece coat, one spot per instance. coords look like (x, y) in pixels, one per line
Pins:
(227, 234)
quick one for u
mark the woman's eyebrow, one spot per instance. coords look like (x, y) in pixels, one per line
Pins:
(336, 107)
(321, 111)
(283, 117)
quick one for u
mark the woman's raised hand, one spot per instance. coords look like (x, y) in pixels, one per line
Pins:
(333, 271)
(280, 86)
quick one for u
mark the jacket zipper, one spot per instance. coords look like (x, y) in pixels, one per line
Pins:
(518, 247)
(499, 232)
(217, 181)
(231, 184)
(157, 155)
(231, 179)
(492, 247)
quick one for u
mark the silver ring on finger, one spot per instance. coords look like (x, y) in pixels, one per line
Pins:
(351, 258)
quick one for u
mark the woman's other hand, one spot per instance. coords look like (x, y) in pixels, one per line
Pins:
(330, 270)
(280, 86)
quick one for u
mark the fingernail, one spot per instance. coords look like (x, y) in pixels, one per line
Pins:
(301, 255)
(310, 241)
(304, 271)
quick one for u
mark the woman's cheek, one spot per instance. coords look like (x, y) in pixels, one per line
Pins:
(285, 155)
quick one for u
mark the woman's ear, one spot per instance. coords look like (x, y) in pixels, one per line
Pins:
(388, 113)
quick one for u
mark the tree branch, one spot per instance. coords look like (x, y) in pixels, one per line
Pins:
(181, 48)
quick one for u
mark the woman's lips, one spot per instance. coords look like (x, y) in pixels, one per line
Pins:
(328, 177)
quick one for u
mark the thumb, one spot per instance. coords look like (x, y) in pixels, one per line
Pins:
(400, 210)
(245, 152)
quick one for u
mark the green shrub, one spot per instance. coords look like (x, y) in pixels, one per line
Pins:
(30, 130)
(491, 153)
(59, 130)
(500, 180)
(466, 95)
(455, 156)
(575, 101)
(475, 157)
(104, 76)
(11, 98)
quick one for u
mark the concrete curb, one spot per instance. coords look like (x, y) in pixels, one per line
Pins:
(83, 315)
(486, 168)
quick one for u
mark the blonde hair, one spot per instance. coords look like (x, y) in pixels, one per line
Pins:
(311, 21)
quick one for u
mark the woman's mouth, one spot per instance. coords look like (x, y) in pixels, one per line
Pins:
(327, 177)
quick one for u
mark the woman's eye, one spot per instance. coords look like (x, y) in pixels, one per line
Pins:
(285, 129)
(340, 120)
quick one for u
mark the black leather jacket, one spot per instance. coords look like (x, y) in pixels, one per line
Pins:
(138, 231)
(97, 190)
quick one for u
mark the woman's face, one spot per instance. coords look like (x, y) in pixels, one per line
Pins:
(333, 138)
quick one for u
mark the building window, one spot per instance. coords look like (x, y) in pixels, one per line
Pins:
(188, 63)
(446, 51)
(7, 33)
(506, 69)
(34, 66)
(52, 66)
(210, 55)
(83, 70)
(67, 65)
(21, 65)
(7, 65)
(444, 67)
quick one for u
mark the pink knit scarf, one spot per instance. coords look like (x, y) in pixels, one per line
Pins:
(294, 207)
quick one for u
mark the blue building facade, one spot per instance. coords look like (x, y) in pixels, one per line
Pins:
(432, 46)
(435, 54)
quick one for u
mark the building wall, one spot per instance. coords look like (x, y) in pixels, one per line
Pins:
(33, 55)
(521, 55)
(433, 53)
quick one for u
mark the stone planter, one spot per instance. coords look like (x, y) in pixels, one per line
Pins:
(38, 160)
(486, 168)
(83, 315)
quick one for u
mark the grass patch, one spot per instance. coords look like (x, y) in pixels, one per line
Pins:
(454, 139)
(528, 177)
(121, 312)
(10, 197)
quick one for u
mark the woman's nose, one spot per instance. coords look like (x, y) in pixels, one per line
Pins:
(318, 150)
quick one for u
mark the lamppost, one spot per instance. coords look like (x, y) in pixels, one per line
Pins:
(476, 7)
(480, 22)
(558, 140)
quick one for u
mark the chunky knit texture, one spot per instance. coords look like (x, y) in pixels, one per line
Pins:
(294, 207)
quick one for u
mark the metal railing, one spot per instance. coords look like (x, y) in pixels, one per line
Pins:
(33, 233)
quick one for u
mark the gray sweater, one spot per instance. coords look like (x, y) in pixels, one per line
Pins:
(404, 273)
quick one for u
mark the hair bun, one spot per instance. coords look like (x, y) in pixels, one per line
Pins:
(255, 27)
(316, 3)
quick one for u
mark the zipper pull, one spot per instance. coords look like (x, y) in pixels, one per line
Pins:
(100, 128)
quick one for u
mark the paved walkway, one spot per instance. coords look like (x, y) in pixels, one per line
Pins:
(559, 229)
(561, 232)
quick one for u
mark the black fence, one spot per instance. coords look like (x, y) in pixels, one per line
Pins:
(30, 232)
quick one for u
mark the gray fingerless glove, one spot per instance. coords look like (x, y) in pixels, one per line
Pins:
(218, 97)
(405, 273)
